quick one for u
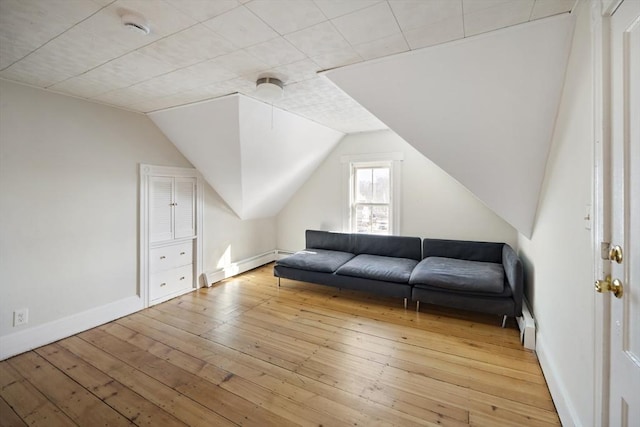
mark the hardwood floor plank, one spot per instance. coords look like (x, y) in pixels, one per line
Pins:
(133, 406)
(76, 402)
(8, 417)
(170, 400)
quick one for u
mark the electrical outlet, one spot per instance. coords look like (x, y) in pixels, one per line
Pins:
(21, 317)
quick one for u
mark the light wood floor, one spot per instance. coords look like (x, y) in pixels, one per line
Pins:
(249, 353)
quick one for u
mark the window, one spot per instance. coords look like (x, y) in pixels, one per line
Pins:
(372, 193)
(371, 200)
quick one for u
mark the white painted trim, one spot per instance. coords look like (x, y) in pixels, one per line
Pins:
(394, 159)
(19, 342)
(527, 326)
(566, 411)
(601, 231)
(239, 267)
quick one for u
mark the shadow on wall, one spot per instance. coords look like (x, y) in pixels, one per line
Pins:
(529, 274)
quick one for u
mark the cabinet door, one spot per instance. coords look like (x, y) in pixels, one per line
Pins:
(160, 209)
(185, 207)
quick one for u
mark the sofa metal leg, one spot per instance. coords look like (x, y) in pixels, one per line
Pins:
(504, 320)
(417, 305)
(278, 282)
(405, 303)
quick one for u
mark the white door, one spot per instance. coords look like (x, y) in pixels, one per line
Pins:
(160, 209)
(624, 400)
(185, 207)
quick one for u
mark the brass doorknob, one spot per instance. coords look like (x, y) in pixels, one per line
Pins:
(608, 285)
(615, 254)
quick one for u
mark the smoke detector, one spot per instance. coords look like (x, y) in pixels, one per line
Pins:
(136, 23)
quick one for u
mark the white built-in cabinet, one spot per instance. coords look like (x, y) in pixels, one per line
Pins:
(170, 232)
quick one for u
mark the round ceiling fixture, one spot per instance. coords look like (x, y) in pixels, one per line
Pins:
(136, 23)
(269, 88)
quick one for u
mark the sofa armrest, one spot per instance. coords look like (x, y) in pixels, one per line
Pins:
(514, 275)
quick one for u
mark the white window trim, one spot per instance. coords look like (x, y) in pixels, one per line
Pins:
(394, 160)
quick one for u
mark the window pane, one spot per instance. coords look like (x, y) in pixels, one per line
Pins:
(372, 219)
(364, 185)
(381, 185)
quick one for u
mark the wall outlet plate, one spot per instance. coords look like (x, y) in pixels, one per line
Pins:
(20, 316)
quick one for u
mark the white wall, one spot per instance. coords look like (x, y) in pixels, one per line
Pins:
(69, 205)
(433, 203)
(558, 257)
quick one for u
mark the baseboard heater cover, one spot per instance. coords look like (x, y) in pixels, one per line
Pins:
(527, 326)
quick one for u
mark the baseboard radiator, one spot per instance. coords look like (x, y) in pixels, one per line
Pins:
(527, 326)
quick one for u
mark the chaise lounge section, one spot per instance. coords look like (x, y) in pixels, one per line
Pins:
(478, 276)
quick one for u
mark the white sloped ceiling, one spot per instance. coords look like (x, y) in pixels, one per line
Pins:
(482, 108)
(254, 156)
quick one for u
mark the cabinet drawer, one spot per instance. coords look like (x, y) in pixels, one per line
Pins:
(168, 257)
(167, 282)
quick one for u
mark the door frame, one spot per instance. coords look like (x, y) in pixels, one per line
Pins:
(601, 11)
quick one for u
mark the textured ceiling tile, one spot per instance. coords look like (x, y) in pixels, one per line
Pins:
(368, 24)
(121, 97)
(241, 27)
(287, 16)
(472, 6)
(34, 73)
(488, 19)
(25, 25)
(334, 8)
(127, 70)
(241, 63)
(382, 47)
(318, 40)
(207, 72)
(202, 10)
(202, 44)
(417, 13)
(544, 8)
(79, 86)
(438, 32)
(276, 52)
(295, 72)
(338, 58)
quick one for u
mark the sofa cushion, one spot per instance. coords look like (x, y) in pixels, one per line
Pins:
(459, 275)
(320, 260)
(389, 246)
(375, 267)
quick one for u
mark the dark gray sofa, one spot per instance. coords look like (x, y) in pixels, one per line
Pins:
(479, 276)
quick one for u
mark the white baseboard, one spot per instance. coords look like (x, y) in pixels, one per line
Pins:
(240, 267)
(527, 326)
(566, 412)
(28, 339)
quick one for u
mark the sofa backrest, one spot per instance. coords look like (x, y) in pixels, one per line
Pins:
(462, 249)
(395, 246)
(328, 240)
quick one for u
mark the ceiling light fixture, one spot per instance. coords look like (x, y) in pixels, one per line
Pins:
(269, 88)
(136, 23)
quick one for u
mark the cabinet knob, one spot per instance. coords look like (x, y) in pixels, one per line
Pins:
(162, 257)
(182, 253)
(163, 284)
(182, 278)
